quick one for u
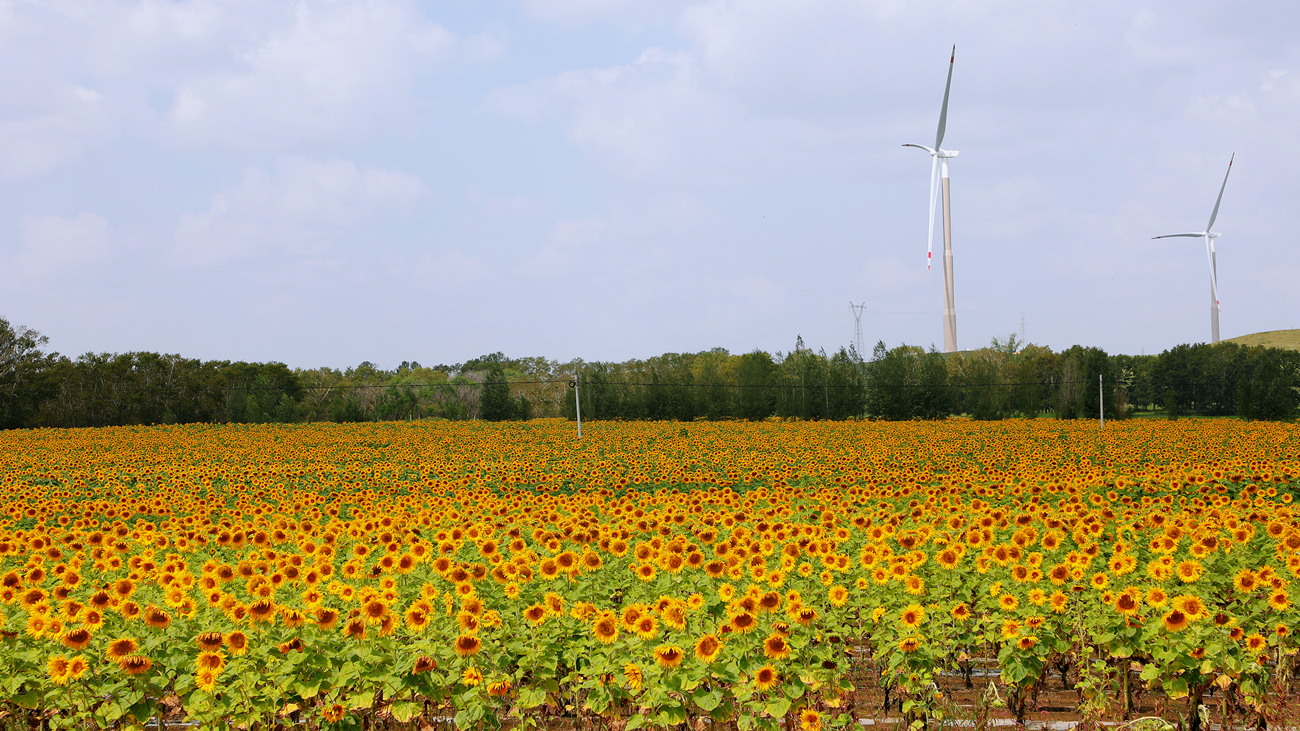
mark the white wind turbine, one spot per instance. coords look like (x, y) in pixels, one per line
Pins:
(938, 177)
(1210, 254)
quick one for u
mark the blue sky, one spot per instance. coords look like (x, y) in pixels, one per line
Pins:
(322, 183)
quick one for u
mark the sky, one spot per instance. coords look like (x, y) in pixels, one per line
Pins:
(326, 183)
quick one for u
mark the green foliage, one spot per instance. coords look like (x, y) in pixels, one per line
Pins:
(495, 403)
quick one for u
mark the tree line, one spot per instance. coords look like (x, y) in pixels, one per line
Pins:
(1004, 380)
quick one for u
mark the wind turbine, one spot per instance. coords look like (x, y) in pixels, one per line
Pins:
(939, 177)
(1210, 254)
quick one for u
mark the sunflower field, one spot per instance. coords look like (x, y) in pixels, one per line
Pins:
(770, 575)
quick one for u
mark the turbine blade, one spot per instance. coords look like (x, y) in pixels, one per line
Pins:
(934, 185)
(943, 111)
(1214, 286)
(1196, 235)
(1215, 213)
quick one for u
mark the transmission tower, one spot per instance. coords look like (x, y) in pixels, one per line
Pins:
(857, 326)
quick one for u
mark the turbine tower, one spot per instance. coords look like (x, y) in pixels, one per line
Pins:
(939, 178)
(857, 325)
(1209, 236)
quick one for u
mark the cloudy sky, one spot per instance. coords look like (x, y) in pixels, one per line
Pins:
(322, 183)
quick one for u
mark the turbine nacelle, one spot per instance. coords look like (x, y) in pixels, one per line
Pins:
(933, 152)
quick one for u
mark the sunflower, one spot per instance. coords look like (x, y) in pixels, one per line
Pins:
(135, 664)
(707, 648)
(535, 614)
(1245, 581)
(646, 627)
(424, 664)
(838, 596)
(668, 656)
(1027, 642)
(1256, 642)
(810, 720)
(633, 674)
(472, 676)
(326, 618)
(766, 678)
(1157, 597)
(76, 639)
(1010, 629)
(467, 622)
(209, 641)
(1008, 603)
(466, 645)
(1175, 620)
(1189, 571)
(1190, 605)
(355, 628)
(776, 647)
(675, 615)
(805, 616)
(606, 629)
(120, 648)
(334, 712)
(913, 615)
(77, 667)
(206, 680)
(156, 618)
(1059, 602)
(961, 612)
(743, 623)
(910, 643)
(1127, 604)
(263, 610)
(237, 643)
(1279, 601)
(57, 668)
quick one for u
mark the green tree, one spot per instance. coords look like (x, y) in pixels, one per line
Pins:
(754, 386)
(24, 374)
(495, 403)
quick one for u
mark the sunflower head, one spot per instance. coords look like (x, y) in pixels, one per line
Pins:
(668, 656)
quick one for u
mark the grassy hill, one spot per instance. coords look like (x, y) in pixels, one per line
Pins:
(1273, 339)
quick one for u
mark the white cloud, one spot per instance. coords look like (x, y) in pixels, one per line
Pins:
(567, 240)
(58, 245)
(236, 74)
(300, 209)
(324, 71)
(630, 14)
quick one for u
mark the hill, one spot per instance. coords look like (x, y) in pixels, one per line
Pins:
(1273, 338)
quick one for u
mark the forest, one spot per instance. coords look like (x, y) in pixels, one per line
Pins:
(1006, 379)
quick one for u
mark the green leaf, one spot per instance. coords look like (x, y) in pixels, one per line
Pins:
(1176, 688)
(706, 699)
(363, 700)
(671, 716)
(1150, 672)
(635, 721)
(531, 697)
(598, 700)
(777, 707)
(404, 711)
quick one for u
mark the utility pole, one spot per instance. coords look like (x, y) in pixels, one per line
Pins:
(857, 325)
(1101, 392)
(577, 402)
